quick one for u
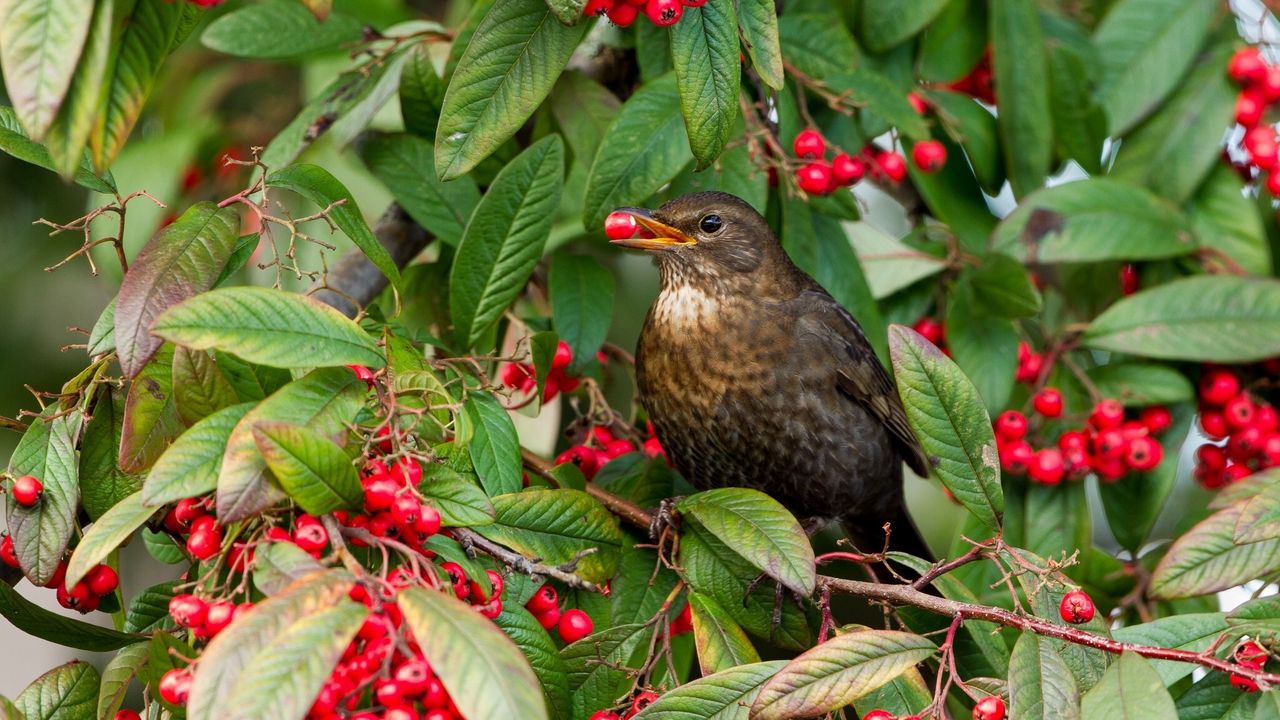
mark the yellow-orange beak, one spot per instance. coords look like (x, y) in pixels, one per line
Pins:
(659, 235)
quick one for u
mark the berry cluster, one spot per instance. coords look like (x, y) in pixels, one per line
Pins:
(522, 377)
(1250, 655)
(85, 595)
(1260, 89)
(205, 618)
(818, 177)
(1249, 425)
(571, 625)
(464, 588)
(602, 446)
(1108, 443)
(663, 13)
(1076, 607)
(1030, 364)
(193, 518)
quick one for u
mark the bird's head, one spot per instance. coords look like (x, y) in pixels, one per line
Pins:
(705, 233)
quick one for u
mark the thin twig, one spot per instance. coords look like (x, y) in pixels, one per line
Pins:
(522, 564)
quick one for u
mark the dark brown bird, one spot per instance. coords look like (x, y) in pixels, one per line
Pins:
(754, 376)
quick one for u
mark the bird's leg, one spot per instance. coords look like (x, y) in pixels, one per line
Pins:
(665, 518)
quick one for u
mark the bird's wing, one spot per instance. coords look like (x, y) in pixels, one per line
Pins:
(858, 373)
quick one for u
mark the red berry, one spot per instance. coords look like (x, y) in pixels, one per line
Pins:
(1048, 402)
(989, 708)
(574, 625)
(27, 491)
(544, 599)
(1011, 425)
(7, 553)
(363, 373)
(1261, 144)
(1144, 454)
(490, 609)
(127, 715)
(929, 156)
(1212, 457)
(653, 448)
(407, 472)
(1245, 444)
(1015, 456)
(623, 14)
(642, 701)
(919, 104)
(931, 330)
(1108, 413)
(1047, 466)
(879, 714)
(1214, 424)
(1077, 607)
(549, 618)
(59, 575)
(815, 178)
(1235, 473)
(1129, 281)
(1247, 66)
(604, 715)
(413, 677)
(1250, 107)
(188, 610)
(380, 492)
(1156, 418)
(1243, 683)
(1265, 418)
(517, 376)
(218, 617)
(1271, 450)
(1073, 440)
(1252, 654)
(309, 534)
(847, 170)
(586, 458)
(102, 580)
(893, 165)
(175, 686)
(205, 539)
(809, 144)
(428, 521)
(694, 3)
(1239, 411)
(663, 13)
(1110, 444)
(1218, 387)
(596, 8)
(406, 510)
(400, 713)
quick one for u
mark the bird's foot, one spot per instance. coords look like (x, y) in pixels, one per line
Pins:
(779, 592)
(664, 518)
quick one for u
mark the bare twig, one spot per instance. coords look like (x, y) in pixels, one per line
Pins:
(522, 564)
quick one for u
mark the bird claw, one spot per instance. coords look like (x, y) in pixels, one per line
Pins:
(665, 518)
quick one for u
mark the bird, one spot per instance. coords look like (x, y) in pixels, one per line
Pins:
(754, 376)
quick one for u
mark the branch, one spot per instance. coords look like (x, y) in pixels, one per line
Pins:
(353, 280)
(522, 564)
(624, 509)
(906, 595)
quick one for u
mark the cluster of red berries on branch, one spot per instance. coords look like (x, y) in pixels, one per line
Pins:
(602, 446)
(1260, 89)
(1247, 427)
(85, 595)
(571, 625)
(1108, 443)
(818, 177)
(1249, 655)
(522, 377)
(205, 618)
(663, 13)
(194, 519)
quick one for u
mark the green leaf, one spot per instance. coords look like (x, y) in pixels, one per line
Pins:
(278, 565)
(181, 261)
(1004, 287)
(508, 68)
(877, 94)
(1145, 47)
(889, 265)
(320, 187)
(556, 525)
(40, 42)
(1205, 559)
(1133, 506)
(460, 502)
(734, 172)
(542, 349)
(505, 237)
(102, 338)
(524, 630)
(270, 327)
(227, 661)
(1142, 383)
(645, 147)
(325, 400)
(70, 130)
(283, 679)
(47, 451)
(951, 423)
(641, 587)
(102, 482)
(1130, 689)
(48, 625)
(954, 43)
(581, 292)
(1260, 518)
(67, 692)
(760, 530)
(583, 109)
(190, 466)
(1219, 318)
(404, 164)
(720, 641)
(1022, 74)
(468, 653)
(316, 473)
(985, 347)
(147, 37)
(163, 547)
(199, 387)
(1040, 685)
(1222, 211)
(594, 664)
(1080, 124)
(704, 49)
(495, 448)
(346, 91)
(973, 127)
(14, 141)
(837, 672)
(886, 23)
(726, 695)
(1193, 632)
(758, 21)
(421, 94)
(278, 30)
(106, 534)
(1080, 221)
(116, 677)
(817, 44)
(149, 609)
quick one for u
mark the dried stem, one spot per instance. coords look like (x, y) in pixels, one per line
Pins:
(522, 564)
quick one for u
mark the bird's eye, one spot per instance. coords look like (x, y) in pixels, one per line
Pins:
(711, 224)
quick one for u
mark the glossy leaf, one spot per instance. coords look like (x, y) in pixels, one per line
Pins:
(1195, 632)
(878, 94)
(40, 42)
(838, 672)
(704, 49)
(889, 264)
(1080, 123)
(540, 650)
(270, 327)
(69, 133)
(1004, 288)
(1205, 559)
(318, 115)
(951, 423)
(505, 237)
(47, 451)
(581, 292)
(759, 529)
(508, 68)
(1139, 384)
(726, 695)
(1222, 211)
(14, 141)
(1132, 507)
(556, 525)
(106, 534)
(325, 400)
(190, 466)
(1041, 686)
(1221, 318)
(886, 23)
(758, 21)
(645, 147)
(199, 387)
(720, 641)
(595, 665)
(460, 502)
(322, 188)
(495, 448)
(404, 163)
(36, 621)
(468, 652)
(117, 675)
(316, 473)
(954, 42)
(1022, 73)
(181, 261)
(102, 482)
(817, 44)
(1130, 689)
(67, 692)
(278, 29)
(278, 565)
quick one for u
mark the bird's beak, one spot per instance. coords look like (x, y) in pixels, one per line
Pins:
(659, 235)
